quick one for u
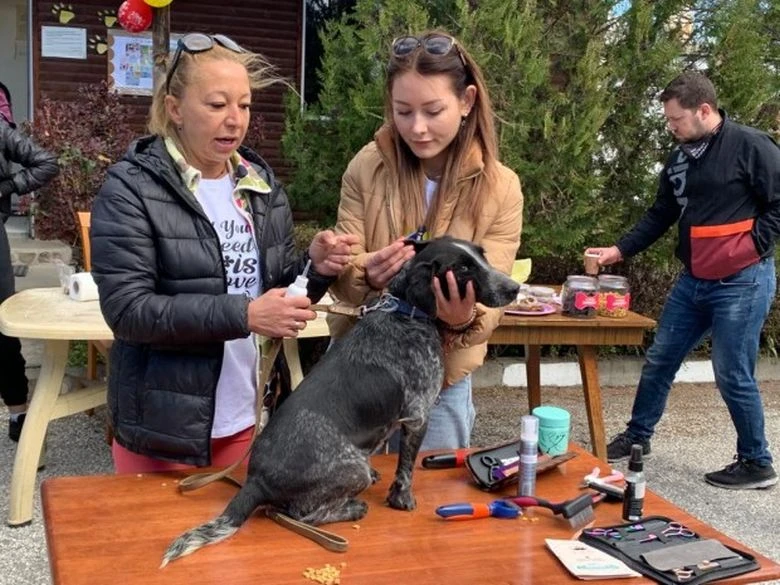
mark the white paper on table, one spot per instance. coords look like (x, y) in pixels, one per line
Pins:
(585, 562)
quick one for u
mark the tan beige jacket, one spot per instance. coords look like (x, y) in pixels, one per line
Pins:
(369, 207)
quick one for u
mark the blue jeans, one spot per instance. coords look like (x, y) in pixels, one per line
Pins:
(733, 310)
(450, 422)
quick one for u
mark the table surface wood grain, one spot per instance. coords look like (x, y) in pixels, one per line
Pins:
(114, 529)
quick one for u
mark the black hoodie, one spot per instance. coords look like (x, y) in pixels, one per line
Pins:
(727, 204)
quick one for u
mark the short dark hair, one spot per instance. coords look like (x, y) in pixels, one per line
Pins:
(691, 89)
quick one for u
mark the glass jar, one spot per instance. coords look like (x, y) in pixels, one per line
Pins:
(579, 297)
(614, 296)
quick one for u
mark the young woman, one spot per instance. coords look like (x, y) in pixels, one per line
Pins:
(191, 236)
(432, 164)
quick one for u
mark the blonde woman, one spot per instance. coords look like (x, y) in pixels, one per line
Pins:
(191, 237)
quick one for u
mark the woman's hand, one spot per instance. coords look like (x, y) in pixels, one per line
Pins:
(456, 312)
(384, 264)
(275, 315)
(330, 253)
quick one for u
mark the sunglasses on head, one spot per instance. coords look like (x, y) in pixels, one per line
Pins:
(437, 45)
(198, 43)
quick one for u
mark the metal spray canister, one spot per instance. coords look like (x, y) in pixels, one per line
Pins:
(529, 455)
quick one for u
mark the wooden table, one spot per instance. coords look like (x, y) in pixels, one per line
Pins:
(50, 315)
(106, 529)
(587, 335)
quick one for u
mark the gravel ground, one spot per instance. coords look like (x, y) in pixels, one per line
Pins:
(694, 437)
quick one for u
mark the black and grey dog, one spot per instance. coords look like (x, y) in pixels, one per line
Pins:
(312, 459)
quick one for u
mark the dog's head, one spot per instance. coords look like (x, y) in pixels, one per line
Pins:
(466, 260)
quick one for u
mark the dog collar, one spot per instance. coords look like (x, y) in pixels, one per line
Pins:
(388, 303)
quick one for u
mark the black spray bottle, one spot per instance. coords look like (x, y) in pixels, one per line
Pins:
(634, 495)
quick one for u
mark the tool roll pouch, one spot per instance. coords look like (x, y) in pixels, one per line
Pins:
(483, 465)
(668, 558)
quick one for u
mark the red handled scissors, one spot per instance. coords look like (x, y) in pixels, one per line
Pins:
(469, 511)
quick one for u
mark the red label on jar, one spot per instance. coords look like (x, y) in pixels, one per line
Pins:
(618, 301)
(583, 301)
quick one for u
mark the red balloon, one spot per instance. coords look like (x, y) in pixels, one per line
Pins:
(135, 15)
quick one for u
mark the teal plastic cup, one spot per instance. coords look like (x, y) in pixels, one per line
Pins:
(554, 425)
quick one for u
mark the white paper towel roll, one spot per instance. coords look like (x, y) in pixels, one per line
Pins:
(82, 287)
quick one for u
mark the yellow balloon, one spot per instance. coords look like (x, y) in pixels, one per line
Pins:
(158, 3)
(521, 270)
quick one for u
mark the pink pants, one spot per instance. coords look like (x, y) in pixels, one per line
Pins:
(224, 451)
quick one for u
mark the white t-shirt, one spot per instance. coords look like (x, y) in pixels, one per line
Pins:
(430, 191)
(236, 389)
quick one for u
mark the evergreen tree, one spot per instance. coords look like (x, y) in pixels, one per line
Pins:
(574, 86)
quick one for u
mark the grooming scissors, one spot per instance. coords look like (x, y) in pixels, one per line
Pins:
(677, 529)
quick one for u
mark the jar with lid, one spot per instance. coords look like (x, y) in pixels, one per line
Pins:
(579, 297)
(614, 296)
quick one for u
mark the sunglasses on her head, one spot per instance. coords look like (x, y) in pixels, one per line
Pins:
(198, 43)
(436, 44)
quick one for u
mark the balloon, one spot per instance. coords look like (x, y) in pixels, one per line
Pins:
(134, 15)
(158, 3)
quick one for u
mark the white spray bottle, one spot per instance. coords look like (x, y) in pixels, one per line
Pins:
(298, 288)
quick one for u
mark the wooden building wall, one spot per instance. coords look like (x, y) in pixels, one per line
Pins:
(270, 27)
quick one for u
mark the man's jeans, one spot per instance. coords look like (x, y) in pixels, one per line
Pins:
(733, 310)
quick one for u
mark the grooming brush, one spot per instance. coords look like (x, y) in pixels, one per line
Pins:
(577, 511)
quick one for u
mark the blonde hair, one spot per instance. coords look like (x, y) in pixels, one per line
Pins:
(478, 128)
(261, 75)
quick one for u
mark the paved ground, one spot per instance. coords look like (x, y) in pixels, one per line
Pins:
(694, 437)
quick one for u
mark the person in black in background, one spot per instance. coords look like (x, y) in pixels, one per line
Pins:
(721, 185)
(37, 167)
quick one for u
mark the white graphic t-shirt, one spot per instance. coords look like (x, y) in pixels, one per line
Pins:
(235, 400)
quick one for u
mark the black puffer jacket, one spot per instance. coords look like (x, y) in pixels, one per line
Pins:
(158, 264)
(38, 165)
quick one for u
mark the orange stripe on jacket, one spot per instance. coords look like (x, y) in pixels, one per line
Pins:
(726, 229)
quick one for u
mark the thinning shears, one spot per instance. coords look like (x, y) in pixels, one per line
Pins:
(469, 511)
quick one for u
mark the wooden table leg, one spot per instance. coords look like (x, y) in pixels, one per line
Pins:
(533, 355)
(589, 371)
(41, 411)
(293, 358)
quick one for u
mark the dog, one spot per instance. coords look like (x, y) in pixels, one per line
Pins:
(312, 459)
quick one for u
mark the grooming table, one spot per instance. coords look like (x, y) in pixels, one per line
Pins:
(115, 529)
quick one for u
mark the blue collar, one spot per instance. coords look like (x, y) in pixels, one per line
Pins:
(387, 303)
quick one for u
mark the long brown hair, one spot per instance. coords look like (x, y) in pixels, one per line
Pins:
(261, 75)
(477, 129)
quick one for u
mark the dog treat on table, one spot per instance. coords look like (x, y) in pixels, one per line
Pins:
(526, 303)
(327, 575)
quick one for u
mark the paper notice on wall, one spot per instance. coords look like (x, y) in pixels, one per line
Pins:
(131, 61)
(64, 42)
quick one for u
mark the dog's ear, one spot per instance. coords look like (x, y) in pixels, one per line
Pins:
(418, 289)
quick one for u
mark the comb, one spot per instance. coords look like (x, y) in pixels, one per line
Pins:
(577, 511)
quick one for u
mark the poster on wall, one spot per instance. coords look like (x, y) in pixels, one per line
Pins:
(130, 62)
(64, 42)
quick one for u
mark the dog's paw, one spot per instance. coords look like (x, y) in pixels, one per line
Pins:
(401, 499)
(375, 476)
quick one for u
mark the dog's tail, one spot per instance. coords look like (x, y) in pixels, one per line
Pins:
(217, 530)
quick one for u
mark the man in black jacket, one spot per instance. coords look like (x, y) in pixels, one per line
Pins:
(37, 168)
(721, 184)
